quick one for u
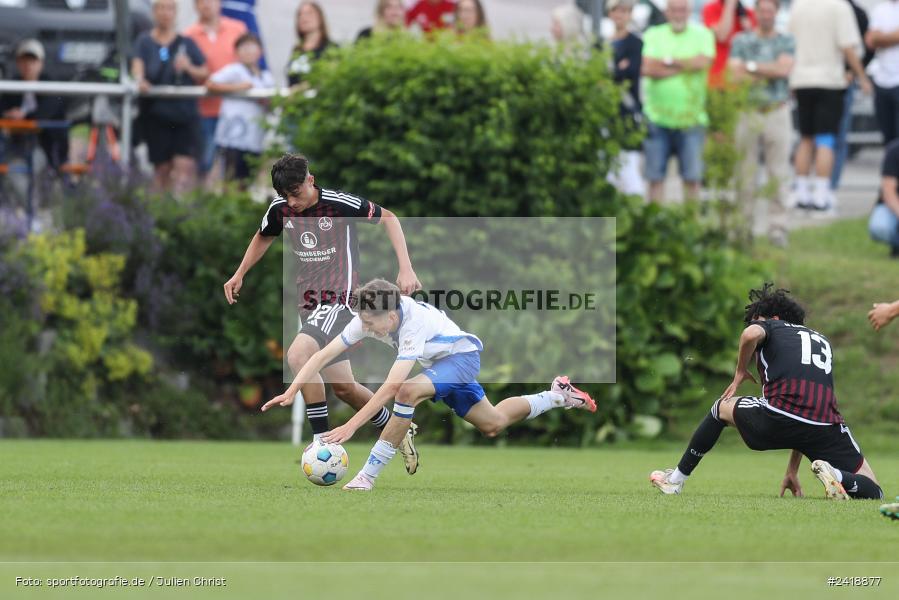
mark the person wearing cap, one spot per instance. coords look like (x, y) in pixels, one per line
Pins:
(54, 142)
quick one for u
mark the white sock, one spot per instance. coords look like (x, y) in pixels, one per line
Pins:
(381, 453)
(316, 437)
(677, 477)
(542, 402)
(837, 474)
(821, 194)
(803, 188)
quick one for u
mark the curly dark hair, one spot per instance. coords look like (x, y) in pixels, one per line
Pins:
(770, 302)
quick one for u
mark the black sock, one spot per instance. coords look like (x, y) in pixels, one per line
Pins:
(861, 487)
(318, 417)
(703, 440)
(380, 419)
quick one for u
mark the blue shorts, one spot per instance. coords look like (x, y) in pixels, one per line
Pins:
(662, 143)
(455, 381)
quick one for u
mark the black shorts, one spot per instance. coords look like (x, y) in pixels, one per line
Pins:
(764, 429)
(819, 110)
(165, 139)
(324, 323)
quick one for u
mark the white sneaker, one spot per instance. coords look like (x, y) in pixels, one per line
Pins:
(407, 449)
(660, 480)
(360, 483)
(826, 474)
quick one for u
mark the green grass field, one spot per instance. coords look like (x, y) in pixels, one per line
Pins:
(181, 503)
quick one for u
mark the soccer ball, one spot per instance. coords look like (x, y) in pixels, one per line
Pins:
(324, 464)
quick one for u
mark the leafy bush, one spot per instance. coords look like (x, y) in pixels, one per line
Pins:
(463, 129)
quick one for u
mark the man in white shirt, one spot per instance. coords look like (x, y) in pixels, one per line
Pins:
(451, 361)
(827, 39)
(883, 38)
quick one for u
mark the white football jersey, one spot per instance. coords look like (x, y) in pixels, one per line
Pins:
(425, 334)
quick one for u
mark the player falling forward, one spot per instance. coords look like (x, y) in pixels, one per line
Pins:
(321, 224)
(798, 410)
(451, 359)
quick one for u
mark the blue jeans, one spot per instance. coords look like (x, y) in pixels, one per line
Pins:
(207, 145)
(662, 143)
(884, 226)
(841, 151)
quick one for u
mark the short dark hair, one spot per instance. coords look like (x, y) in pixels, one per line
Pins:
(770, 302)
(289, 173)
(378, 296)
(247, 37)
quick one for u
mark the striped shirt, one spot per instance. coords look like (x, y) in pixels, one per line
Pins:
(324, 241)
(795, 364)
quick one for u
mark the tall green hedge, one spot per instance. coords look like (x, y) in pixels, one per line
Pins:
(502, 129)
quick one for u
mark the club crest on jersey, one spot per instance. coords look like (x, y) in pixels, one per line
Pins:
(325, 223)
(308, 240)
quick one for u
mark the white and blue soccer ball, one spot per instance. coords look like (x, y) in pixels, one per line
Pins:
(324, 464)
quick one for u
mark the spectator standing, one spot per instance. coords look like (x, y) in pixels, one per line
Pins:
(627, 58)
(841, 150)
(431, 15)
(215, 36)
(764, 57)
(827, 38)
(162, 57)
(726, 19)
(313, 41)
(676, 59)
(883, 38)
(239, 133)
(469, 19)
(53, 142)
(883, 224)
(245, 12)
(390, 15)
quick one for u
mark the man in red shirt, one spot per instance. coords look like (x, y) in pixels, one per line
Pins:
(215, 36)
(726, 18)
(431, 14)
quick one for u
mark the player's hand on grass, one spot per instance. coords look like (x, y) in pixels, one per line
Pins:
(232, 288)
(339, 435)
(791, 482)
(282, 400)
(407, 281)
(880, 315)
(739, 377)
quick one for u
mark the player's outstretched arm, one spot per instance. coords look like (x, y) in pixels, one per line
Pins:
(882, 314)
(407, 281)
(315, 364)
(751, 337)
(399, 373)
(255, 250)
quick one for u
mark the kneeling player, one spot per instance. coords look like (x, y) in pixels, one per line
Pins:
(798, 410)
(451, 359)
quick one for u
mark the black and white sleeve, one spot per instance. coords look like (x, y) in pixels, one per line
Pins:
(272, 222)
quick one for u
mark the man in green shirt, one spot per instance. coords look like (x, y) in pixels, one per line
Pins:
(676, 60)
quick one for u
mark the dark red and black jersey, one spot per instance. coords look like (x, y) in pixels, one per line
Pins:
(323, 238)
(796, 367)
